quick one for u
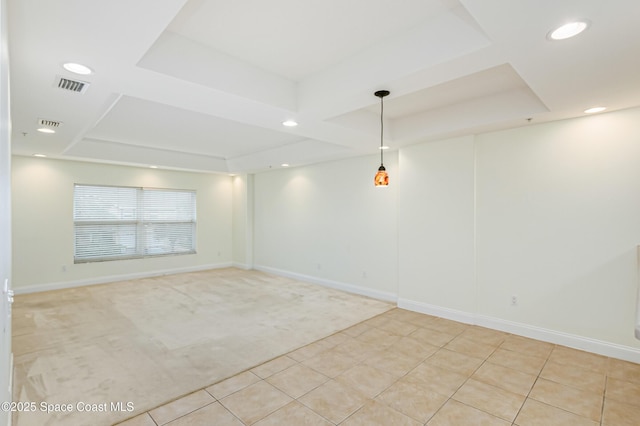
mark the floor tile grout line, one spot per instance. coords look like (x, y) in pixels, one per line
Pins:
(185, 414)
(485, 360)
(333, 378)
(296, 362)
(453, 393)
(362, 361)
(469, 376)
(426, 358)
(576, 387)
(460, 387)
(225, 407)
(386, 388)
(244, 371)
(606, 375)
(604, 395)
(533, 384)
(539, 376)
(152, 419)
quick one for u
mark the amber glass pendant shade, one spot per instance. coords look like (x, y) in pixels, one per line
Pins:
(381, 178)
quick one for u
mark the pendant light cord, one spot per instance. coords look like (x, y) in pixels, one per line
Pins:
(381, 128)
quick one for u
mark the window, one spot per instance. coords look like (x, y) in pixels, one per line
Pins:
(113, 223)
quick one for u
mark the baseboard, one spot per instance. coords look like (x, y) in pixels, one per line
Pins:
(239, 265)
(349, 288)
(637, 329)
(600, 347)
(565, 339)
(36, 288)
(437, 311)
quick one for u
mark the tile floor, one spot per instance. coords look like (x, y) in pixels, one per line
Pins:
(405, 368)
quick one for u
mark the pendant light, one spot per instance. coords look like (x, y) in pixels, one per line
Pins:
(381, 178)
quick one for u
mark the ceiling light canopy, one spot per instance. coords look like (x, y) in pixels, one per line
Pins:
(382, 177)
(77, 68)
(568, 30)
(290, 123)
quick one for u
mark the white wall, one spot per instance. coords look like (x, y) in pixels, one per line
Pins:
(548, 213)
(243, 221)
(558, 222)
(43, 222)
(328, 223)
(436, 225)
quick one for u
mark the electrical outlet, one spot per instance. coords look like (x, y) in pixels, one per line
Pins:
(514, 300)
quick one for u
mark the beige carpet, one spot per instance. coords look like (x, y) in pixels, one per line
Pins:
(146, 342)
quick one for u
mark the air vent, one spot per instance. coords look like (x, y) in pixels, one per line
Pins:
(49, 123)
(71, 85)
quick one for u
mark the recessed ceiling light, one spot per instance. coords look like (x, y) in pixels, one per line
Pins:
(284, 165)
(39, 155)
(290, 123)
(568, 30)
(594, 110)
(77, 68)
(46, 130)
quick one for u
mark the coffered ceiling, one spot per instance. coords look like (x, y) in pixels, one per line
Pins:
(205, 85)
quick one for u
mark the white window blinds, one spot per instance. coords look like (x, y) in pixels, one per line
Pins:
(123, 223)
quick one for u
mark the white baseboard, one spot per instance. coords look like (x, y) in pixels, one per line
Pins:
(637, 329)
(239, 265)
(437, 311)
(350, 288)
(35, 288)
(600, 347)
(560, 338)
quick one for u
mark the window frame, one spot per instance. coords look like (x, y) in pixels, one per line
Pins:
(143, 226)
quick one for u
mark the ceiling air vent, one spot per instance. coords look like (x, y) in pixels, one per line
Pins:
(49, 123)
(71, 85)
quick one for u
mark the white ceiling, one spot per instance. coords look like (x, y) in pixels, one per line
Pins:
(204, 85)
